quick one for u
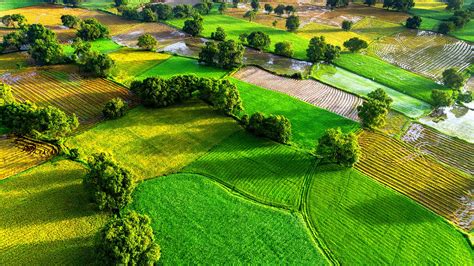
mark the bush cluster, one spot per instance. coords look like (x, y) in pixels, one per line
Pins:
(91, 62)
(275, 127)
(373, 112)
(319, 50)
(227, 54)
(336, 147)
(115, 108)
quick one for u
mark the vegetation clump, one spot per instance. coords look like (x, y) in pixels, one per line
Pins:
(193, 26)
(355, 44)
(413, 22)
(14, 20)
(373, 112)
(258, 40)
(284, 49)
(347, 25)
(319, 50)
(91, 62)
(115, 108)
(292, 23)
(441, 98)
(91, 29)
(275, 127)
(337, 147)
(70, 21)
(226, 54)
(219, 34)
(147, 42)
(453, 79)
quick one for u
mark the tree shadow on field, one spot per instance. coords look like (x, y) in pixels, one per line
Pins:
(389, 209)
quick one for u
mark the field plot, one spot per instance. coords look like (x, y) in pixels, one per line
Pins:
(19, 154)
(164, 34)
(308, 122)
(404, 169)
(12, 4)
(375, 28)
(364, 223)
(154, 142)
(396, 123)
(446, 149)
(62, 87)
(13, 61)
(310, 91)
(101, 45)
(46, 217)
(391, 76)
(196, 221)
(348, 81)
(456, 121)
(332, 34)
(260, 168)
(424, 52)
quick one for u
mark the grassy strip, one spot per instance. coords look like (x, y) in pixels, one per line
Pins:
(197, 221)
(12, 4)
(362, 222)
(101, 46)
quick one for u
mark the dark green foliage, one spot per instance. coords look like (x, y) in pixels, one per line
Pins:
(331, 53)
(337, 147)
(258, 40)
(222, 95)
(251, 15)
(454, 4)
(147, 42)
(292, 23)
(219, 34)
(275, 127)
(373, 112)
(255, 4)
(97, 65)
(413, 22)
(465, 97)
(446, 27)
(127, 240)
(284, 49)
(319, 50)
(460, 18)
(6, 95)
(70, 21)
(193, 26)
(74, 3)
(131, 13)
(453, 79)
(337, 3)
(222, 8)
(148, 15)
(280, 10)
(14, 20)
(163, 11)
(347, 25)
(202, 8)
(115, 108)
(109, 185)
(399, 5)
(120, 3)
(268, 8)
(153, 91)
(37, 32)
(46, 52)
(11, 41)
(289, 9)
(230, 54)
(370, 2)
(208, 54)
(91, 29)
(441, 98)
(183, 11)
(355, 44)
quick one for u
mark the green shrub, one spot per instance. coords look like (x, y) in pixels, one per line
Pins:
(91, 29)
(336, 147)
(115, 108)
(284, 49)
(275, 127)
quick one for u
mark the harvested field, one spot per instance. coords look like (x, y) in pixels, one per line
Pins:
(19, 154)
(399, 166)
(62, 87)
(446, 149)
(310, 91)
(424, 52)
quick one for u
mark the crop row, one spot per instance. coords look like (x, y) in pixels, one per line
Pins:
(19, 154)
(404, 169)
(310, 91)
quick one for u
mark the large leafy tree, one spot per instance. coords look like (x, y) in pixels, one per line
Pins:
(355, 44)
(219, 34)
(337, 147)
(453, 79)
(147, 42)
(454, 4)
(275, 127)
(280, 10)
(258, 40)
(441, 98)
(193, 26)
(413, 22)
(115, 108)
(230, 54)
(251, 15)
(284, 49)
(208, 54)
(292, 23)
(46, 52)
(374, 110)
(91, 29)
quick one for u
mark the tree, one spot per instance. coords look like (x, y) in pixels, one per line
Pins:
(337, 147)
(274, 23)
(97, 65)
(454, 4)
(316, 48)
(373, 112)
(280, 10)
(70, 21)
(127, 240)
(14, 20)
(460, 18)
(446, 27)
(399, 5)
(193, 26)
(219, 34)
(109, 185)
(453, 79)
(115, 108)
(441, 98)
(258, 40)
(255, 4)
(230, 54)
(11, 41)
(6, 95)
(147, 42)
(337, 3)
(250, 15)
(202, 8)
(290, 9)
(347, 25)
(370, 2)
(268, 8)
(331, 53)
(284, 49)
(235, 3)
(91, 30)
(222, 95)
(275, 127)
(163, 11)
(148, 15)
(183, 11)
(355, 44)
(46, 52)
(292, 23)
(131, 13)
(222, 8)
(208, 53)
(119, 3)
(73, 3)
(413, 22)
(34, 32)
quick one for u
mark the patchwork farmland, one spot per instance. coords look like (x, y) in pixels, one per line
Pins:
(262, 148)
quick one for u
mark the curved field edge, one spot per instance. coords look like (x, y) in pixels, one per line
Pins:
(232, 228)
(363, 222)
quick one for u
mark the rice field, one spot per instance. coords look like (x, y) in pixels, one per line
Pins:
(424, 52)
(197, 221)
(375, 28)
(353, 83)
(332, 34)
(405, 169)
(13, 61)
(155, 142)
(449, 150)
(364, 223)
(308, 123)
(164, 34)
(310, 91)
(12, 4)
(19, 154)
(62, 87)
(46, 218)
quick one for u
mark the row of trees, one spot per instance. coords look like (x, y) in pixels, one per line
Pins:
(160, 11)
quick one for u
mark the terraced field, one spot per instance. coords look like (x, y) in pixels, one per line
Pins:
(444, 148)
(256, 167)
(424, 52)
(310, 91)
(364, 223)
(62, 87)
(399, 166)
(19, 154)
